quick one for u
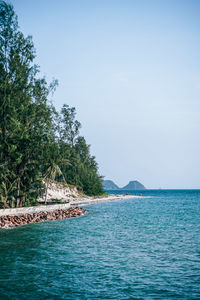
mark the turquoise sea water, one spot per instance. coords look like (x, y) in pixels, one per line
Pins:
(145, 248)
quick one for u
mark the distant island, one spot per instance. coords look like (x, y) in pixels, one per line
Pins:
(132, 185)
(109, 185)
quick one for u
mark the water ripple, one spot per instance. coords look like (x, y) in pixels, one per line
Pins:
(131, 249)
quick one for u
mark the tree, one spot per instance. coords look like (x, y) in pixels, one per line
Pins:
(25, 117)
(34, 138)
(70, 126)
(54, 160)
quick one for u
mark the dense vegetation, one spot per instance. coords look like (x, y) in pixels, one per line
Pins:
(36, 142)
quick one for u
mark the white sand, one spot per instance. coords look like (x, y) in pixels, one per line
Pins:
(91, 200)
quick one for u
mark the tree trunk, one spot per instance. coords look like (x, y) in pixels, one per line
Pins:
(46, 191)
(18, 193)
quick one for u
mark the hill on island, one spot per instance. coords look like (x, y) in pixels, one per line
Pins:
(134, 185)
(131, 186)
(109, 185)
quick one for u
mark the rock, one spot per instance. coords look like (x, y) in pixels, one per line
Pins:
(18, 220)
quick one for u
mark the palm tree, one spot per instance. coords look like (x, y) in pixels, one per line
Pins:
(52, 171)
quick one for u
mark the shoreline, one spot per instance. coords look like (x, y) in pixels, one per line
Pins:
(13, 217)
(93, 200)
(12, 221)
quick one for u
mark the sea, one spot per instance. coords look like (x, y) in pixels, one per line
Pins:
(144, 248)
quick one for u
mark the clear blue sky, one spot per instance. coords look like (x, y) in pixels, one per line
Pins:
(132, 70)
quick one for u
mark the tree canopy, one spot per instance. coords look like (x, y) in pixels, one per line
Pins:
(34, 138)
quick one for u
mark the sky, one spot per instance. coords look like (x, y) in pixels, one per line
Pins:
(132, 70)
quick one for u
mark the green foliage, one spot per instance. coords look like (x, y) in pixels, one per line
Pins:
(35, 140)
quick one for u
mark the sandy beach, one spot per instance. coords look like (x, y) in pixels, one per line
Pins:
(91, 200)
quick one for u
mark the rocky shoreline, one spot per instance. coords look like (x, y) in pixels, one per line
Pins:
(9, 221)
(13, 217)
